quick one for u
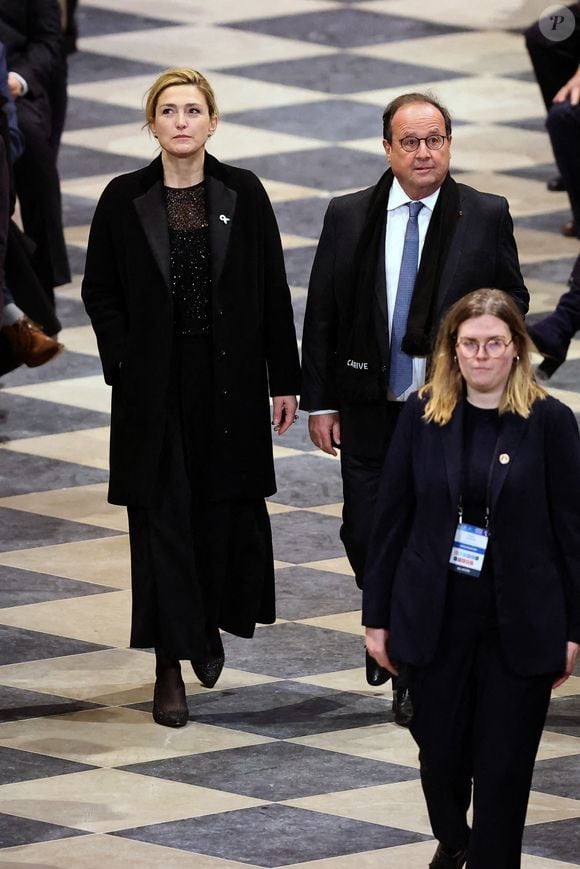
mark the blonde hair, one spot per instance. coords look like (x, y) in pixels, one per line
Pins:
(178, 76)
(445, 385)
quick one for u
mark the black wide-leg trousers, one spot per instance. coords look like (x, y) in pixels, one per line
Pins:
(478, 726)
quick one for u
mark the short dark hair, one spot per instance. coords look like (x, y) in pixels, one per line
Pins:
(405, 100)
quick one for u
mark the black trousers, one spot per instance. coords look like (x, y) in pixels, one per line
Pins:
(478, 726)
(360, 484)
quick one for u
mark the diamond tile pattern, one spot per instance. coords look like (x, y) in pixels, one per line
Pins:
(292, 760)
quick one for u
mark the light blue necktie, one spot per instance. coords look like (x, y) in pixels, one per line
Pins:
(401, 365)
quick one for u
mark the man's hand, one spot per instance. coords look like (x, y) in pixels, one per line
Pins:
(570, 91)
(376, 640)
(14, 86)
(283, 412)
(571, 654)
(324, 431)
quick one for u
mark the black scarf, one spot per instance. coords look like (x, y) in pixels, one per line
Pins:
(362, 363)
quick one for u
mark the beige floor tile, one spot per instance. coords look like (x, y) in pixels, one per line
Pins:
(91, 393)
(88, 447)
(117, 737)
(387, 743)
(80, 339)
(349, 623)
(215, 47)
(91, 186)
(98, 850)
(104, 800)
(104, 619)
(129, 139)
(217, 10)
(490, 15)
(536, 246)
(275, 509)
(236, 142)
(281, 452)
(470, 53)
(543, 808)
(280, 565)
(570, 687)
(290, 242)
(557, 745)
(104, 561)
(279, 191)
(398, 805)
(327, 509)
(115, 677)
(334, 565)
(525, 197)
(87, 504)
(77, 235)
(544, 295)
(414, 856)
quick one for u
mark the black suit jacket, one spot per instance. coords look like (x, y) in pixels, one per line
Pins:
(534, 535)
(481, 253)
(31, 32)
(127, 293)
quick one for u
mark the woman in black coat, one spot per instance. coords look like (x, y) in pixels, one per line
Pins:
(186, 289)
(473, 575)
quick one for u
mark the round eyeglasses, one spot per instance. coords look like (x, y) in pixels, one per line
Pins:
(494, 347)
(434, 142)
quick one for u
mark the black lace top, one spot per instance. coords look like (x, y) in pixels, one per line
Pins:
(190, 274)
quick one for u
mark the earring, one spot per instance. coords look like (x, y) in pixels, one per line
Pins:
(516, 359)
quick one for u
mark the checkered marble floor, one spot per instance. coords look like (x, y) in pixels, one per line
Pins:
(291, 760)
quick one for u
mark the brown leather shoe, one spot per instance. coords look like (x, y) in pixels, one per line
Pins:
(29, 343)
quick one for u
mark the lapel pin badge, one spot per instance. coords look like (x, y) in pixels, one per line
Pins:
(504, 459)
(224, 219)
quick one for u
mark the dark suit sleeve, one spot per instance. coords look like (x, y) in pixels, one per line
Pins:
(320, 334)
(508, 274)
(41, 55)
(281, 347)
(563, 482)
(393, 514)
(102, 290)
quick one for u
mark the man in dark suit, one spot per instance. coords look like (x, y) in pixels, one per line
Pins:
(391, 259)
(31, 32)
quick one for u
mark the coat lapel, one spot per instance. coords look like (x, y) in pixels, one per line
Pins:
(513, 427)
(153, 217)
(451, 262)
(221, 207)
(452, 435)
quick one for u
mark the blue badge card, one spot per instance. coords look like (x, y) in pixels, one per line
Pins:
(468, 549)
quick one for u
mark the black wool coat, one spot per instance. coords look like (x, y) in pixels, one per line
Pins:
(127, 294)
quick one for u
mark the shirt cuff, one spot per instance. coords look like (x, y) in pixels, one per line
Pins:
(23, 82)
(320, 412)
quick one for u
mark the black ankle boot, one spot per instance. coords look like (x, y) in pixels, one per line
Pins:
(169, 701)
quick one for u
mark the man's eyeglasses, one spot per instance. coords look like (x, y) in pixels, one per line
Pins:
(494, 347)
(433, 142)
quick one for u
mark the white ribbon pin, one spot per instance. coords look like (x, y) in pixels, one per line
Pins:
(224, 219)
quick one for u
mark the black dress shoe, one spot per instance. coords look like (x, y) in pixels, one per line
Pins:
(569, 229)
(555, 184)
(376, 675)
(208, 672)
(169, 717)
(447, 859)
(402, 707)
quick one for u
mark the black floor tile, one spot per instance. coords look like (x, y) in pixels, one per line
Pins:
(534, 125)
(302, 536)
(330, 120)
(93, 21)
(24, 831)
(268, 772)
(83, 114)
(344, 28)
(21, 587)
(326, 169)
(71, 312)
(16, 765)
(66, 366)
(559, 840)
(299, 265)
(342, 73)
(23, 417)
(300, 592)
(87, 66)
(20, 644)
(273, 835)
(302, 216)
(549, 222)
(79, 162)
(308, 481)
(557, 271)
(23, 530)
(23, 473)
(559, 776)
(296, 437)
(17, 704)
(564, 716)
(538, 172)
(77, 211)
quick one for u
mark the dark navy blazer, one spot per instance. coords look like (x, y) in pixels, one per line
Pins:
(534, 535)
